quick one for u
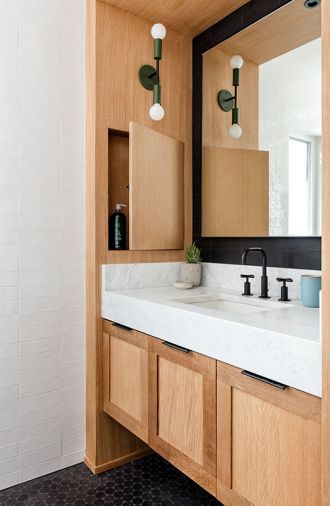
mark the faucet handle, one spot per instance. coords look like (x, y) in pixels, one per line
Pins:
(247, 284)
(285, 280)
(284, 289)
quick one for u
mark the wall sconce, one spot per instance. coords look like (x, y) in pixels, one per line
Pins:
(149, 76)
(228, 102)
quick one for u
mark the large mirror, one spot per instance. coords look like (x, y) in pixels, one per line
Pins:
(267, 182)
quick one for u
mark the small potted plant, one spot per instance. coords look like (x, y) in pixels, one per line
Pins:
(191, 271)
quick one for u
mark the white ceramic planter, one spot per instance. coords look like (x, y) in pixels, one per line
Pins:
(192, 273)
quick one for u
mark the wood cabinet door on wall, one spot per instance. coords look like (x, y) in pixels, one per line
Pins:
(156, 196)
(182, 411)
(268, 443)
(125, 378)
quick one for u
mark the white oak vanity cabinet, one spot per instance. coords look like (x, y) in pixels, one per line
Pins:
(125, 378)
(246, 442)
(182, 410)
(268, 442)
(164, 395)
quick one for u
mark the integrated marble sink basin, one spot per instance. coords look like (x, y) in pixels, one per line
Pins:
(233, 304)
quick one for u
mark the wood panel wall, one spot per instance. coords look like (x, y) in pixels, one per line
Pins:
(325, 421)
(298, 26)
(189, 17)
(218, 75)
(123, 45)
(117, 44)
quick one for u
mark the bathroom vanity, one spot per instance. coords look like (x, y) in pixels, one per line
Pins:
(227, 388)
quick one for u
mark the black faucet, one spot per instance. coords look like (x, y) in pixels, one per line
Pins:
(264, 277)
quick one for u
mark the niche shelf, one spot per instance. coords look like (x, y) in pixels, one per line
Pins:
(118, 176)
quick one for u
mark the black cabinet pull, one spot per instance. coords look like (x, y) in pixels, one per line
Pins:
(273, 383)
(176, 347)
(123, 327)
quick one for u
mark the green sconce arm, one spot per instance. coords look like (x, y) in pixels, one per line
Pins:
(228, 102)
(149, 76)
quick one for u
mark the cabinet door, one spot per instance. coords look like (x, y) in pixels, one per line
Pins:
(182, 411)
(268, 443)
(156, 194)
(125, 382)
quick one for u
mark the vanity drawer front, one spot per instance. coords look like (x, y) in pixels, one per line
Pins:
(182, 410)
(268, 442)
(125, 371)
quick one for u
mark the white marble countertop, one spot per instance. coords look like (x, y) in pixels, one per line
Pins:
(281, 344)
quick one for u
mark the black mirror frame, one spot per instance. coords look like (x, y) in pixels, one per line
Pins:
(287, 252)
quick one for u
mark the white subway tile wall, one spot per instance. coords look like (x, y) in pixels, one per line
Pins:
(42, 287)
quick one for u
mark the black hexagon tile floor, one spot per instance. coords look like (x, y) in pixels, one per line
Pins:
(150, 481)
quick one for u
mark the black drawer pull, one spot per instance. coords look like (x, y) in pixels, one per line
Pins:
(264, 380)
(120, 326)
(176, 347)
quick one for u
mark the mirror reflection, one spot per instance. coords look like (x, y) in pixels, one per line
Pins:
(266, 181)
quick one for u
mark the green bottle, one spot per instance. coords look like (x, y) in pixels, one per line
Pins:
(117, 229)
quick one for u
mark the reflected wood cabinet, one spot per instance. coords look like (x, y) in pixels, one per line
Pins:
(246, 442)
(235, 192)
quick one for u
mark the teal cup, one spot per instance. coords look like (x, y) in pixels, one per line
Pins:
(310, 290)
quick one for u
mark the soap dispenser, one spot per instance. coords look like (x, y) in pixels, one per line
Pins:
(117, 229)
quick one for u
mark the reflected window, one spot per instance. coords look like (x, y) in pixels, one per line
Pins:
(299, 187)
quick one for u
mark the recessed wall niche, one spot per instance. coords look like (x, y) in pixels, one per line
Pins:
(118, 174)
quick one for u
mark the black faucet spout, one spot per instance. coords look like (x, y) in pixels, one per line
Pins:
(264, 278)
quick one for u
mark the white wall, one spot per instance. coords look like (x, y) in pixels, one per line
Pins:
(41, 237)
(290, 106)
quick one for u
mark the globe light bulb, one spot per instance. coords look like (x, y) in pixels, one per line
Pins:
(156, 112)
(236, 62)
(235, 131)
(158, 31)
